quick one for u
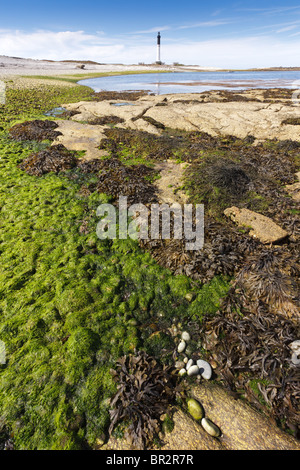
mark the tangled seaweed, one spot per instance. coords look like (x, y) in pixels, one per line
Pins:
(223, 253)
(117, 179)
(106, 120)
(229, 176)
(56, 158)
(254, 358)
(34, 130)
(142, 144)
(145, 392)
(118, 95)
(272, 277)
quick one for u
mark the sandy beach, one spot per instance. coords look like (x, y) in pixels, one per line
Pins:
(14, 66)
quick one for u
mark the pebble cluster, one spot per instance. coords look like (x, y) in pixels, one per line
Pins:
(201, 368)
(198, 368)
(197, 412)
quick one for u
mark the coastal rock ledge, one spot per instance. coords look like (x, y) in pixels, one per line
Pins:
(192, 112)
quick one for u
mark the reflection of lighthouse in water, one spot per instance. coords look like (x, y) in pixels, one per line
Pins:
(158, 48)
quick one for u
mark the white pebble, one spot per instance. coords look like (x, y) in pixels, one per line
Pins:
(295, 359)
(182, 372)
(210, 427)
(189, 364)
(205, 369)
(181, 346)
(193, 370)
(295, 346)
(185, 360)
(185, 336)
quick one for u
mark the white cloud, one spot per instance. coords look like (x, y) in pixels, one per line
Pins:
(235, 53)
(205, 24)
(58, 45)
(287, 28)
(153, 30)
(256, 51)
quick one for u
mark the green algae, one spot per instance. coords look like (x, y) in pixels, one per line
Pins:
(70, 304)
(64, 308)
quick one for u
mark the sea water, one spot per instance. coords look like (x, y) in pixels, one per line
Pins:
(195, 82)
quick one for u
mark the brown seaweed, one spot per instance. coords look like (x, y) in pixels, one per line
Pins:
(106, 120)
(254, 359)
(146, 390)
(53, 159)
(34, 130)
(118, 95)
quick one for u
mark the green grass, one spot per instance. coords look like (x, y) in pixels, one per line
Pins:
(70, 304)
(74, 78)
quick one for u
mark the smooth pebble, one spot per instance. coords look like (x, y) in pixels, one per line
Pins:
(195, 408)
(181, 346)
(295, 359)
(210, 427)
(185, 336)
(182, 372)
(189, 364)
(205, 369)
(193, 370)
(295, 346)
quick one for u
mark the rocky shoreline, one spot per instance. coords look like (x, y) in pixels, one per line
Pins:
(257, 133)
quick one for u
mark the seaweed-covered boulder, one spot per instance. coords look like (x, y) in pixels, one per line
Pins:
(56, 158)
(34, 130)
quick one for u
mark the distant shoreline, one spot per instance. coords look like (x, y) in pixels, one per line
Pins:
(17, 66)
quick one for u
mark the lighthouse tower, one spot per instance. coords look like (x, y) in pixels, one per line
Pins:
(158, 61)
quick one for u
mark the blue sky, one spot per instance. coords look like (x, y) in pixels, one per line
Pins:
(213, 34)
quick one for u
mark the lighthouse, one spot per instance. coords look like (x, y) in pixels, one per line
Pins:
(158, 61)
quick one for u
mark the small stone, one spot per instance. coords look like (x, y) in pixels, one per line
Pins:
(295, 359)
(189, 364)
(205, 369)
(189, 296)
(181, 346)
(185, 336)
(295, 346)
(195, 408)
(193, 370)
(211, 428)
(179, 365)
(186, 360)
(213, 364)
(182, 372)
